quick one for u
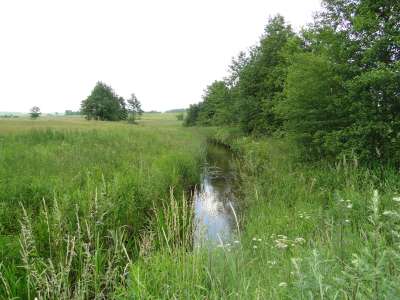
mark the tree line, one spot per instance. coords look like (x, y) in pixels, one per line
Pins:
(334, 87)
(105, 105)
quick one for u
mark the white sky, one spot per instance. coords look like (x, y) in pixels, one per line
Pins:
(52, 52)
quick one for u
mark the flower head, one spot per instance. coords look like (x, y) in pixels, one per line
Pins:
(282, 284)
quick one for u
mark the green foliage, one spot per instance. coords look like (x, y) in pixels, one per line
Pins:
(333, 87)
(35, 112)
(134, 108)
(192, 115)
(103, 104)
(216, 100)
(313, 103)
(72, 113)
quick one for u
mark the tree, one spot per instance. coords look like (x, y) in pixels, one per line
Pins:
(334, 87)
(314, 105)
(261, 79)
(215, 108)
(69, 112)
(134, 108)
(103, 104)
(192, 114)
(361, 38)
(35, 112)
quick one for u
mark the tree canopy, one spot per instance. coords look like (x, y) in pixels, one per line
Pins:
(333, 87)
(134, 108)
(104, 104)
(35, 112)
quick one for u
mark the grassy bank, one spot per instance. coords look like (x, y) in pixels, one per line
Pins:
(317, 230)
(308, 231)
(77, 198)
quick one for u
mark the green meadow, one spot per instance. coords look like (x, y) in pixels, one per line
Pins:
(101, 210)
(76, 197)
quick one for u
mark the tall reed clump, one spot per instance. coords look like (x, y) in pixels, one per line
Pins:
(165, 267)
(82, 264)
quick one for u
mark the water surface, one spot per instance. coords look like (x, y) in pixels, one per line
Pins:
(216, 198)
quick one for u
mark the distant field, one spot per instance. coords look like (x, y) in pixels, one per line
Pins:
(79, 123)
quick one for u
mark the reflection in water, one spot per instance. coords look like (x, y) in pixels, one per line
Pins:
(215, 198)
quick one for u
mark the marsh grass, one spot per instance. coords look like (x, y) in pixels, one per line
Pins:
(103, 213)
(77, 202)
(308, 231)
(319, 230)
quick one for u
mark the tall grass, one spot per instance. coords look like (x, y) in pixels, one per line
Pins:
(308, 231)
(103, 213)
(77, 203)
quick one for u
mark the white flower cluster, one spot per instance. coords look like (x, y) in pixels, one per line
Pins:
(304, 215)
(346, 203)
(282, 241)
(255, 241)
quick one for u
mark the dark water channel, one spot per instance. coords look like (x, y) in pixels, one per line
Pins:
(215, 201)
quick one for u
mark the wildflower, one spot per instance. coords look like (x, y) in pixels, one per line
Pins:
(389, 213)
(397, 199)
(236, 242)
(283, 284)
(255, 247)
(349, 206)
(282, 236)
(396, 234)
(254, 239)
(299, 240)
(355, 261)
(280, 244)
(375, 204)
(259, 240)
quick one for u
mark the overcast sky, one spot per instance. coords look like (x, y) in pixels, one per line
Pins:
(52, 52)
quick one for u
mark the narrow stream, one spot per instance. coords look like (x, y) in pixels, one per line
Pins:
(216, 198)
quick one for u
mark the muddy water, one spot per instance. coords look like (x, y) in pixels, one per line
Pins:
(216, 198)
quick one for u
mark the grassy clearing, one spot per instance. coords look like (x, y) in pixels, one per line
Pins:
(77, 198)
